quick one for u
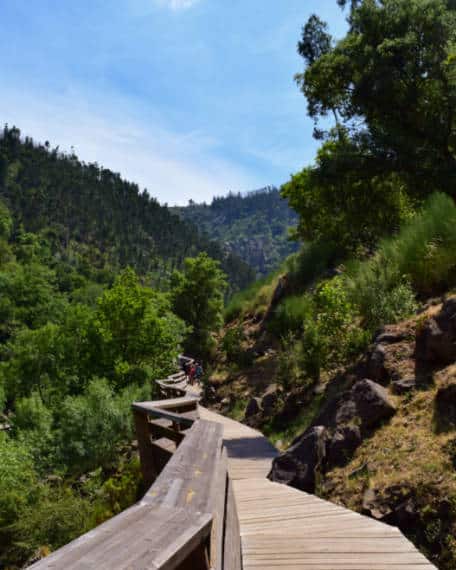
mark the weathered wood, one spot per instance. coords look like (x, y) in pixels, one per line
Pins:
(142, 537)
(152, 412)
(158, 431)
(148, 467)
(172, 390)
(218, 524)
(189, 479)
(213, 508)
(172, 404)
(232, 557)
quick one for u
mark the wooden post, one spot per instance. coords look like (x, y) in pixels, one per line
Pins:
(146, 452)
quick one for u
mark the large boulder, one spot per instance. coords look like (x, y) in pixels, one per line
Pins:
(270, 399)
(299, 466)
(372, 403)
(445, 406)
(436, 341)
(376, 369)
(366, 403)
(334, 436)
(343, 444)
(253, 408)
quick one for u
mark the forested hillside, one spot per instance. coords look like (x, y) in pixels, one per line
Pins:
(346, 357)
(97, 298)
(88, 212)
(254, 226)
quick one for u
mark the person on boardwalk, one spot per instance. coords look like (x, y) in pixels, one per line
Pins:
(199, 371)
(191, 374)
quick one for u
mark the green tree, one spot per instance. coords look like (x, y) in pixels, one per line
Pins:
(388, 82)
(197, 298)
(138, 335)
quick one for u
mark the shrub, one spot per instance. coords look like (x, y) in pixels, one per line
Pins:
(381, 295)
(33, 425)
(420, 259)
(291, 314)
(232, 346)
(293, 364)
(255, 298)
(425, 249)
(92, 425)
(58, 517)
(310, 263)
(335, 333)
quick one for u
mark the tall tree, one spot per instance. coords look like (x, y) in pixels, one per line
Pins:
(197, 298)
(390, 82)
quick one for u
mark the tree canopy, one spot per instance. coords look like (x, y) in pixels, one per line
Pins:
(390, 86)
(197, 298)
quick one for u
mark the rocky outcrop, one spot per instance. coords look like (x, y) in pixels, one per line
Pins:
(259, 409)
(436, 341)
(445, 406)
(343, 444)
(270, 399)
(340, 427)
(372, 403)
(301, 464)
(366, 403)
(253, 408)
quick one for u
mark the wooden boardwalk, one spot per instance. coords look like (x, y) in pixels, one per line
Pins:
(282, 527)
(210, 506)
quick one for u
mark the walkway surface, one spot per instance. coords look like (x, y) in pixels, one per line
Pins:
(282, 527)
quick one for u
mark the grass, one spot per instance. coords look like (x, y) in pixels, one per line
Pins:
(237, 412)
(291, 314)
(310, 264)
(255, 298)
(421, 256)
(407, 449)
(285, 435)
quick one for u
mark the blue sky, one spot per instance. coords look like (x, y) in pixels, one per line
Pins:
(189, 98)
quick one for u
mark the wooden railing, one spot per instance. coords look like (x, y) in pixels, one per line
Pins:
(187, 519)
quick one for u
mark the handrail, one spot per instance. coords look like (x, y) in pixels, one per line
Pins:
(186, 519)
(161, 413)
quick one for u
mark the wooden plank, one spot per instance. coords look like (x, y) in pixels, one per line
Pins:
(171, 404)
(158, 431)
(218, 524)
(232, 558)
(178, 419)
(149, 468)
(189, 478)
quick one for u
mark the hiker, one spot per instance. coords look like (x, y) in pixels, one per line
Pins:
(191, 373)
(199, 371)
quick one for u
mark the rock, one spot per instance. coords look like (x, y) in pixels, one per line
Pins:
(376, 364)
(404, 385)
(253, 408)
(56, 479)
(436, 341)
(445, 406)
(390, 337)
(366, 403)
(343, 444)
(404, 515)
(372, 403)
(371, 506)
(300, 464)
(269, 399)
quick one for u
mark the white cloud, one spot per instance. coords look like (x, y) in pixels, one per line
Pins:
(177, 4)
(174, 167)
